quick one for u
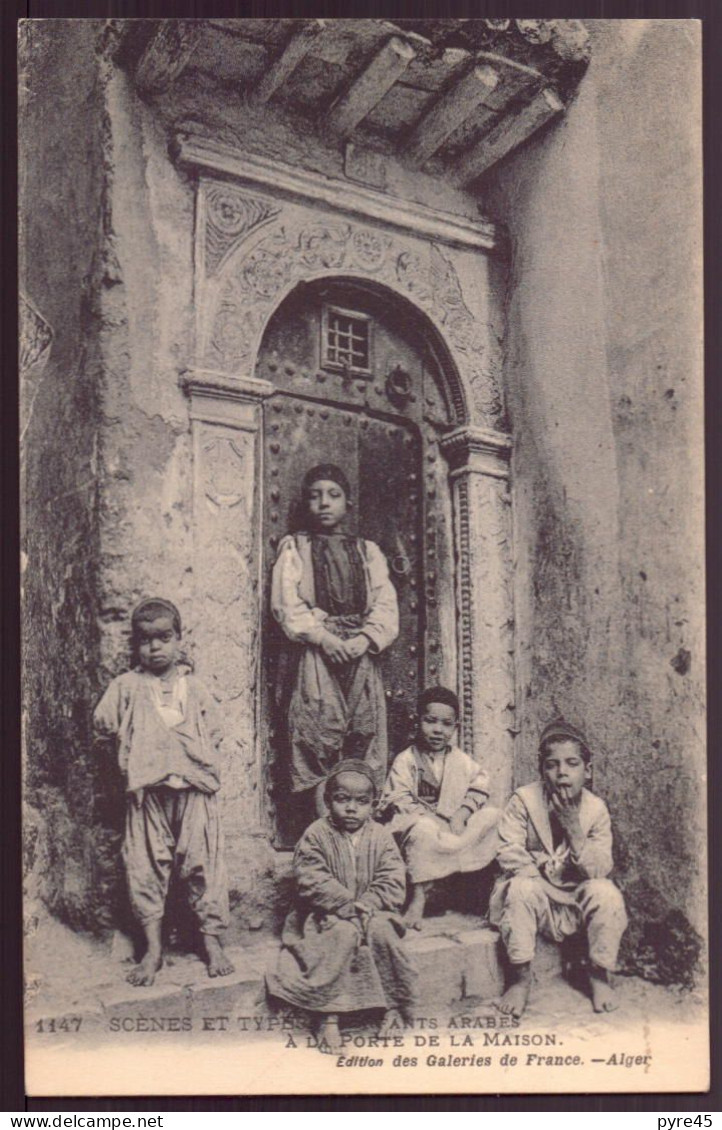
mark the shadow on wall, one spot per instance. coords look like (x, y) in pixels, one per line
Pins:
(660, 945)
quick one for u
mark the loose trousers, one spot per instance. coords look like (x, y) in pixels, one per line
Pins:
(527, 909)
(176, 831)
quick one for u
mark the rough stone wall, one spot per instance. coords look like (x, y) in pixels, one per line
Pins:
(69, 854)
(603, 382)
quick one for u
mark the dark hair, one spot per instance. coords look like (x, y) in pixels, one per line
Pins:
(559, 731)
(437, 694)
(349, 765)
(151, 609)
(328, 472)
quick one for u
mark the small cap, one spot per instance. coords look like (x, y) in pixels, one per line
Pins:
(326, 472)
(352, 765)
(559, 730)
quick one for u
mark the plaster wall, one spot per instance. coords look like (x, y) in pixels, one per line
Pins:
(604, 390)
(70, 849)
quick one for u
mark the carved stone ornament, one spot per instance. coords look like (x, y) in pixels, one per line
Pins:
(35, 336)
(256, 276)
(230, 217)
(224, 463)
(486, 625)
(223, 555)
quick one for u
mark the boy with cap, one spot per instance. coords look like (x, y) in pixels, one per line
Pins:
(437, 795)
(167, 733)
(556, 854)
(342, 949)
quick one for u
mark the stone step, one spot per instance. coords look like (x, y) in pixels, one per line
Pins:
(457, 957)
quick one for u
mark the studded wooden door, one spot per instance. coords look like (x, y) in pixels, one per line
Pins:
(363, 412)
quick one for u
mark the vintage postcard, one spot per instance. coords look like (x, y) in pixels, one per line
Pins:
(363, 588)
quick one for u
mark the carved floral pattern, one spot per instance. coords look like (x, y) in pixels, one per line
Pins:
(267, 269)
(256, 281)
(369, 248)
(231, 216)
(323, 246)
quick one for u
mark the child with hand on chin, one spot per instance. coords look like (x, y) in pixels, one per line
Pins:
(342, 949)
(556, 854)
(167, 734)
(437, 798)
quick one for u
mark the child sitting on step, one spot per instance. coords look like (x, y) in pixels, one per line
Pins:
(342, 948)
(437, 795)
(556, 854)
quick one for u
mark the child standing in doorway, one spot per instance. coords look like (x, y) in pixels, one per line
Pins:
(333, 598)
(167, 734)
(556, 854)
(437, 796)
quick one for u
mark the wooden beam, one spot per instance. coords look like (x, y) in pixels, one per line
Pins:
(371, 85)
(167, 54)
(449, 112)
(507, 135)
(283, 67)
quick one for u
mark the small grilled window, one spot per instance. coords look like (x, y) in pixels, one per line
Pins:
(346, 340)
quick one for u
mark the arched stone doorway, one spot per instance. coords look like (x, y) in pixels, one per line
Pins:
(360, 379)
(262, 253)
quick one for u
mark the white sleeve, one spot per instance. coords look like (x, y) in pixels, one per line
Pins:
(298, 620)
(400, 787)
(382, 622)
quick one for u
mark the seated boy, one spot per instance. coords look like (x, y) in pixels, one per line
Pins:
(342, 948)
(556, 851)
(438, 797)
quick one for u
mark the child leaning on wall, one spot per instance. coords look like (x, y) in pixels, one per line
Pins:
(167, 735)
(436, 798)
(556, 854)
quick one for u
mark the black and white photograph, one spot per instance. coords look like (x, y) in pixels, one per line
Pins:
(362, 556)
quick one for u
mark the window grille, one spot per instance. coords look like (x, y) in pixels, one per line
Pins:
(346, 340)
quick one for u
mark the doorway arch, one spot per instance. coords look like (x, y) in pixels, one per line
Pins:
(359, 377)
(254, 250)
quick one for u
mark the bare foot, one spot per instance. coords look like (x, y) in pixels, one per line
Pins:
(392, 1023)
(514, 1000)
(329, 1036)
(415, 910)
(145, 971)
(604, 998)
(219, 964)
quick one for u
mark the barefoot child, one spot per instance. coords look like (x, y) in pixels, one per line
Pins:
(438, 795)
(556, 851)
(166, 731)
(342, 948)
